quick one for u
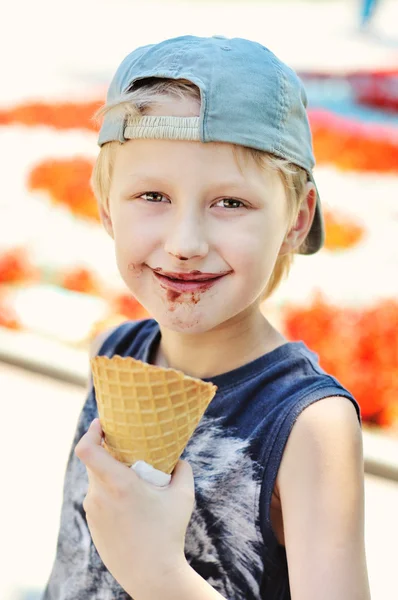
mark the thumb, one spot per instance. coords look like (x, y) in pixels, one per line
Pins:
(95, 431)
(90, 451)
(182, 476)
(92, 437)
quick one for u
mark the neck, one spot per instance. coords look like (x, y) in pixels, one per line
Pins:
(227, 347)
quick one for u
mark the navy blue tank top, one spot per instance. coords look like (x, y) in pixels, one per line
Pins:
(235, 454)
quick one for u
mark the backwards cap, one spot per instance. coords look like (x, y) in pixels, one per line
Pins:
(248, 97)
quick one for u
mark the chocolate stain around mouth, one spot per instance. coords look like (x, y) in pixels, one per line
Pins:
(174, 296)
(136, 270)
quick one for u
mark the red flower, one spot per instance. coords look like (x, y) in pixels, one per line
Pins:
(15, 267)
(358, 347)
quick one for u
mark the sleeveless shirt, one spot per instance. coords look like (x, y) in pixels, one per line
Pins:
(235, 453)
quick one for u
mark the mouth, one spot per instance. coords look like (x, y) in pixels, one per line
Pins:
(191, 276)
(187, 282)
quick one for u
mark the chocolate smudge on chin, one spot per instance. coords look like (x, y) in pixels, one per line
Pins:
(174, 296)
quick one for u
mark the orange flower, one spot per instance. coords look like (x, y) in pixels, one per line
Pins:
(358, 347)
(65, 115)
(341, 232)
(337, 140)
(67, 182)
(81, 280)
(352, 145)
(15, 267)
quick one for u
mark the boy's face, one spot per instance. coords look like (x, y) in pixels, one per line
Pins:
(173, 199)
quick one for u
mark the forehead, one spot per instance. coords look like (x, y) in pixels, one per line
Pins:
(183, 159)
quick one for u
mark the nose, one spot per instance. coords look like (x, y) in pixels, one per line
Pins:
(186, 238)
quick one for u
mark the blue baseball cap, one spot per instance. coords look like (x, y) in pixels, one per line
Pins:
(248, 97)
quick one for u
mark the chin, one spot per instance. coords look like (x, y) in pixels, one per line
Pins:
(182, 321)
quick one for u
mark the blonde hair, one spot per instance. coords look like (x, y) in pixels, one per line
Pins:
(147, 93)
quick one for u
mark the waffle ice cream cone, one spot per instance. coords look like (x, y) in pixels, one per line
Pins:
(147, 412)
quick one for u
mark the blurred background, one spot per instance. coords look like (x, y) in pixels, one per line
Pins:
(59, 285)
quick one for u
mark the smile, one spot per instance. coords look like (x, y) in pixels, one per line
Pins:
(186, 286)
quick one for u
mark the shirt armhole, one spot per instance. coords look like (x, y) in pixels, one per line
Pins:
(273, 457)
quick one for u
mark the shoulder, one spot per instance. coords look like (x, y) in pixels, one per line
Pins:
(328, 416)
(326, 433)
(328, 419)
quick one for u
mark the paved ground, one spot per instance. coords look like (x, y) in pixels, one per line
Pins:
(39, 416)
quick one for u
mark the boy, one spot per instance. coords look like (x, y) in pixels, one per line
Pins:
(204, 182)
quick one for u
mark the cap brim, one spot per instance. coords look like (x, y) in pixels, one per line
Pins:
(316, 236)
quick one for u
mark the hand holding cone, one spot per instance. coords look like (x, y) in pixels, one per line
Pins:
(147, 412)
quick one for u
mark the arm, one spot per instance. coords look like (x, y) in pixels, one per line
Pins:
(139, 529)
(185, 584)
(321, 486)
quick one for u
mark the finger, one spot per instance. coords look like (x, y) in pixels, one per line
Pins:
(95, 431)
(182, 475)
(97, 460)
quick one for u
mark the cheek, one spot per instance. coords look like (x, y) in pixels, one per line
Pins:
(133, 239)
(252, 250)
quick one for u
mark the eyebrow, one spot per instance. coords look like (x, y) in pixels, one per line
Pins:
(140, 176)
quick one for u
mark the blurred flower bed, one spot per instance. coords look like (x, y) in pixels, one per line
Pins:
(359, 347)
(67, 182)
(378, 89)
(17, 272)
(348, 144)
(61, 115)
(351, 145)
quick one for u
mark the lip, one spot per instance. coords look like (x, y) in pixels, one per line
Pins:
(187, 286)
(189, 276)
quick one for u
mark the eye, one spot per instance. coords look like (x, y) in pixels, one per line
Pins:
(155, 197)
(233, 202)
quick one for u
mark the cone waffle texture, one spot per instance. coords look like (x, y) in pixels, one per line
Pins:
(147, 412)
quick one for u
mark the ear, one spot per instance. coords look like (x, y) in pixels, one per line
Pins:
(297, 234)
(106, 219)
